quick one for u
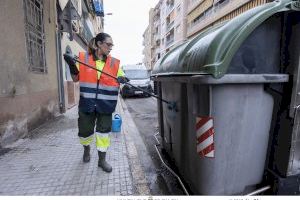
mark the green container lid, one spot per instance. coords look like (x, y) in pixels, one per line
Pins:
(212, 50)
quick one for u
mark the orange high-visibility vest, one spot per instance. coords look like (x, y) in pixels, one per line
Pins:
(98, 94)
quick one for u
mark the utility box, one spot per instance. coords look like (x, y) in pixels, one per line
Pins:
(222, 82)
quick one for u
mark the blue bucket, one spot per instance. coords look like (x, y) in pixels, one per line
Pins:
(116, 123)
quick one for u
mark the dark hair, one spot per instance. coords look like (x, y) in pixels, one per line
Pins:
(101, 37)
(91, 47)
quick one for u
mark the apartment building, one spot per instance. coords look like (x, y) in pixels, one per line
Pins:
(148, 40)
(34, 78)
(168, 27)
(156, 34)
(147, 48)
(202, 14)
(175, 21)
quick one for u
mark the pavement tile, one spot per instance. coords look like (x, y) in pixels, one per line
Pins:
(50, 163)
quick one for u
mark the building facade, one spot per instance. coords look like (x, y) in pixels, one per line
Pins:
(168, 27)
(202, 14)
(34, 79)
(79, 22)
(147, 48)
(175, 21)
(156, 34)
(147, 41)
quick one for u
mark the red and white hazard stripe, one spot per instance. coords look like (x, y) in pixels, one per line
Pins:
(205, 137)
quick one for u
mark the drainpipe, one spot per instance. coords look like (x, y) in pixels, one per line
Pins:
(184, 19)
(60, 79)
(61, 89)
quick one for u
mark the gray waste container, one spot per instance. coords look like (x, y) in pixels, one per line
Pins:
(218, 135)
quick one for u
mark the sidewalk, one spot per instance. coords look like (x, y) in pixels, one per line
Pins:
(50, 162)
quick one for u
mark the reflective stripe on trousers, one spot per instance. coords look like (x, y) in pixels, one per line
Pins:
(86, 141)
(102, 141)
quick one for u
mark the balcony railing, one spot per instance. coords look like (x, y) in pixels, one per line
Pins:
(156, 22)
(169, 41)
(170, 6)
(169, 9)
(156, 37)
(169, 26)
(220, 4)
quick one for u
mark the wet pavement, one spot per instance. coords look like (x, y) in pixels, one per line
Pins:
(143, 111)
(49, 162)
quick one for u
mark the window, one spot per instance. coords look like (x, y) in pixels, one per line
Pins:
(203, 15)
(35, 37)
(156, 30)
(221, 3)
(136, 73)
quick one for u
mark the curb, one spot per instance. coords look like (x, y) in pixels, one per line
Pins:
(128, 126)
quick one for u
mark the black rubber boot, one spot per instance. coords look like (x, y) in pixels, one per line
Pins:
(102, 162)
(86, 154)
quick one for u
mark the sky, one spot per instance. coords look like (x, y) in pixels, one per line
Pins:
(126, 25)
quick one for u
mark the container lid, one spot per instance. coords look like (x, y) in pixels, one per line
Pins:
(212, 50)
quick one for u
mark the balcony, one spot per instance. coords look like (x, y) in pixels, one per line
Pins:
(157, 43)
(157, 51)
(220, 4)
(156, 13)
(170, 10)
(156, 22)
(95, 7)
(156, 37)
(170, 6)
(85, 33)
(169, 41)
(169, 26)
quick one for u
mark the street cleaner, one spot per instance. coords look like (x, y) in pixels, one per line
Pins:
(98, 95)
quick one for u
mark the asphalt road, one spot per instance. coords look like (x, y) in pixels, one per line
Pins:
(144, 114)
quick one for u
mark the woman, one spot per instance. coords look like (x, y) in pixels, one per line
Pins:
(98, 95)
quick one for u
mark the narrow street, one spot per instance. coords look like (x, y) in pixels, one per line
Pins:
(144, 114)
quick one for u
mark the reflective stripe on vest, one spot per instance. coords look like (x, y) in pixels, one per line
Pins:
(99, 96)
(102, 87)
(88, 90)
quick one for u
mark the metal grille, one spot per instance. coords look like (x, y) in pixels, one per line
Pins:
(35, 37)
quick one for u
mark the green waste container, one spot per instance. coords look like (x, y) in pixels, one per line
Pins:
(218, 136)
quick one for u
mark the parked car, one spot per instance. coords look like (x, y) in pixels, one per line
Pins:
(139, 78)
